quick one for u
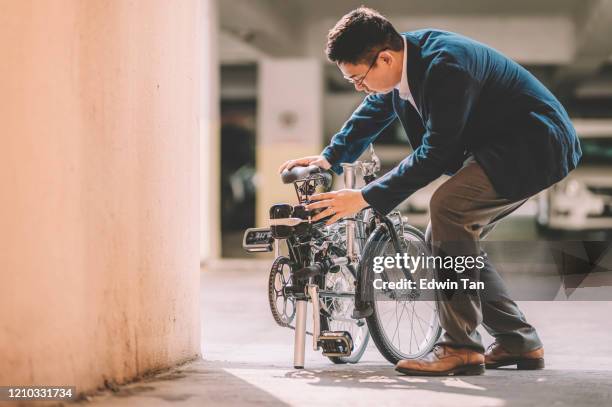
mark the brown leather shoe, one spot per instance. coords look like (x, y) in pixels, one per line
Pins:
(496, 356)
(444, 361)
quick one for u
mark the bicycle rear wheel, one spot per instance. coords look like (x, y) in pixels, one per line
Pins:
(404, 324)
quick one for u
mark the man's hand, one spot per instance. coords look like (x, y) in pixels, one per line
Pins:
(317, 160)
(340, 204)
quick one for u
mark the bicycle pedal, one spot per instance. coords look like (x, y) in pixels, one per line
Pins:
(336, 343)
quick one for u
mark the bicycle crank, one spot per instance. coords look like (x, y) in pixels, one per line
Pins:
(334, 343)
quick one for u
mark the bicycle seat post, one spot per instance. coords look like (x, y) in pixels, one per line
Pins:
(350, 178)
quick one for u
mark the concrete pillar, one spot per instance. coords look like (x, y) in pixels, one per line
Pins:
(99, 180)
(210, 147)
(289, 124)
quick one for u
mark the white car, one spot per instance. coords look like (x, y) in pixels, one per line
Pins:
(583, 200)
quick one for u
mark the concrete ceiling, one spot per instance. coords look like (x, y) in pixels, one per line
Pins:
(296, 27)
(336, 8)
(573, 35)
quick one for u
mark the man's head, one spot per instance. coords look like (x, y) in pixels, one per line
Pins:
(367, 49)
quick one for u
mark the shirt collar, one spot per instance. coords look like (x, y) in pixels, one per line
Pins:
(402, 86)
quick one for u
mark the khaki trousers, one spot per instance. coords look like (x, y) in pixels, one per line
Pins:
(463, 211)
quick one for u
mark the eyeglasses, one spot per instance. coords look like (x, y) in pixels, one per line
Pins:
(360, 81)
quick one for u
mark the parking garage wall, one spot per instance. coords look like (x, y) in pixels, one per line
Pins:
(99, 236)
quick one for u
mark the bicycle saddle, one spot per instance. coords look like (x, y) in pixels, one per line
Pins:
(300, 173)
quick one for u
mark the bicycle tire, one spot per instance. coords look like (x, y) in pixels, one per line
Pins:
(358, 353)
(374, 247)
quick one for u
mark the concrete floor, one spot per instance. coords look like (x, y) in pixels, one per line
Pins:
(248, 361)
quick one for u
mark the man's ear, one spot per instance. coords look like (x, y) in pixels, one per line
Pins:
(386, 57)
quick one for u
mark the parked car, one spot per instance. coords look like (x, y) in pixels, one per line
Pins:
(583, 200)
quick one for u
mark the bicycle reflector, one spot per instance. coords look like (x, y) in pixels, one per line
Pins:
(257, 240)
(281, 211)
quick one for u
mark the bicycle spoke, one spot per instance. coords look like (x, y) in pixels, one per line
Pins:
(397, 326)
(430, 325)
(420, 326)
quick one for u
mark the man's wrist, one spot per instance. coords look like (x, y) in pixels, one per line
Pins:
(326, 165)
(365, 201)
(328, 154)
(377, 197)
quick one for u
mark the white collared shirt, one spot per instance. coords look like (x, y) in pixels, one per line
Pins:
(402, 86)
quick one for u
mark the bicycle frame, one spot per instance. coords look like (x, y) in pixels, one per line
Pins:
(354, 227)
(285, 220)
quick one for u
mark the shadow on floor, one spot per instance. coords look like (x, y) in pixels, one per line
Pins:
(516, 388)
(232, 384)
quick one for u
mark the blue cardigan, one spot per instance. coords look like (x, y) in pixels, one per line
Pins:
(472, 100)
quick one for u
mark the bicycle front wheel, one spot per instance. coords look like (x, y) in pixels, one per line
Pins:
(404, 324)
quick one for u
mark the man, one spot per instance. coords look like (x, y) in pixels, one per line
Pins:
(469, 112)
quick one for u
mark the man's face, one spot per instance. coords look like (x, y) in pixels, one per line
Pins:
(380, 76)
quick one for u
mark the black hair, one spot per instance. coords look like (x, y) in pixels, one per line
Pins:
(359, 35)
